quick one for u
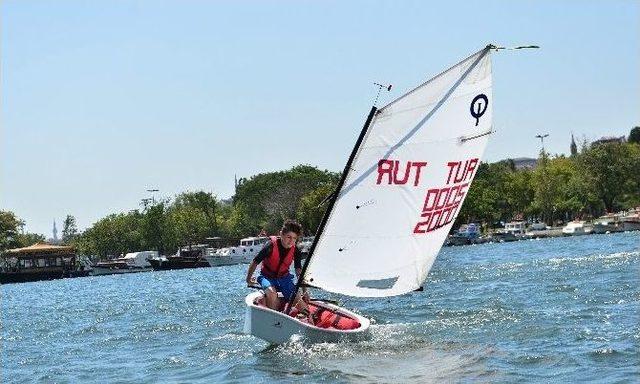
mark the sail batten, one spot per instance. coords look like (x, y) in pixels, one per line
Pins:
(405, 185)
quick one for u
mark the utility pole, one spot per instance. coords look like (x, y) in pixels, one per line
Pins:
(547, 209)
(153, 196)
(541, 137)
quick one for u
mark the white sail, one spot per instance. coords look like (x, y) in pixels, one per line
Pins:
(406, 185)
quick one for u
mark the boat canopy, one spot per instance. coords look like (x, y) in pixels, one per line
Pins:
(41, 248)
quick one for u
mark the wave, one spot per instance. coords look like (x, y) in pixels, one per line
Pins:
(396, 353)
(611, 257)
(605, 353)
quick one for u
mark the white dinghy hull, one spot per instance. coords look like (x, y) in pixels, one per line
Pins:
(278, 328)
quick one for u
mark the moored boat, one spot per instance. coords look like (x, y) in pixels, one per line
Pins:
(457, 239)
(504, 237)
(607, 224)
(517, 228)
(186, 257)
(630, 221)
(39, 262)
(218, 258)
(576, 228)
(241, 254)
(130, 263)
(465, 235)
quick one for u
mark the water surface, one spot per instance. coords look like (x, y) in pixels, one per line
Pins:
(549, 310)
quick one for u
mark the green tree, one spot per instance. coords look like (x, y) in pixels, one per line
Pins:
(267, 199)
(186, 226)
(488, 198)
(12, 234)
(520, 192)
(612, 170)
(153, 226)
(478, 204)
(237, 222)
(631, 195)
(10, 227)
(113, 235)
(313, 206)
(69, 229)
(560, 190)
(204, 202)
(544, 186)
(598, 177)
(634, 135)
(26, 239)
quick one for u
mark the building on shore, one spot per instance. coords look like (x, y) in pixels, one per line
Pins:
(520, 163)
(609, 140)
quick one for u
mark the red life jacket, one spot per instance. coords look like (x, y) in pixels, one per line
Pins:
(272, 267)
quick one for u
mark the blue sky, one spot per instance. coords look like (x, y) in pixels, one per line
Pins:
(102, 100)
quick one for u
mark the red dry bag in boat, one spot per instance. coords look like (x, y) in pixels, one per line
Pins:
(328, 319)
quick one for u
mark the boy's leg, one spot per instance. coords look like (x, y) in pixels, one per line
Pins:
(270, 293)
(287, 287)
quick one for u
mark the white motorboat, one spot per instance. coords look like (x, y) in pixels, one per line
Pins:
(241, 254)
(129, 263)
(216, 258)
(576, 228)
(397, 199)
(517, 228)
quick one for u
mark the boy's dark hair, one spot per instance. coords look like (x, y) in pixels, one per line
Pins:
(292, 226)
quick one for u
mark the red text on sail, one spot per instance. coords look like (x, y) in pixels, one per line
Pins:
(392, 172)
(441, 205)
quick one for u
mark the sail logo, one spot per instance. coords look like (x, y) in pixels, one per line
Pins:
(441, 205)
(479, 106)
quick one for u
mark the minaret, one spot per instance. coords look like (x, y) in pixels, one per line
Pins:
(574, 147)
(55, 232)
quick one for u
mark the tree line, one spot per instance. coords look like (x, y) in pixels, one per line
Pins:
(260, 204)
(597, 179)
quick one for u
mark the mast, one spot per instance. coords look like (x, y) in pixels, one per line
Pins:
(332, 202)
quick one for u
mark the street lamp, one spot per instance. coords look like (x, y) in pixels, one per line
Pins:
(541, 137)
(153, 196)
(545, 190)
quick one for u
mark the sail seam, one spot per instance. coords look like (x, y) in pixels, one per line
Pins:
(399, 111)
